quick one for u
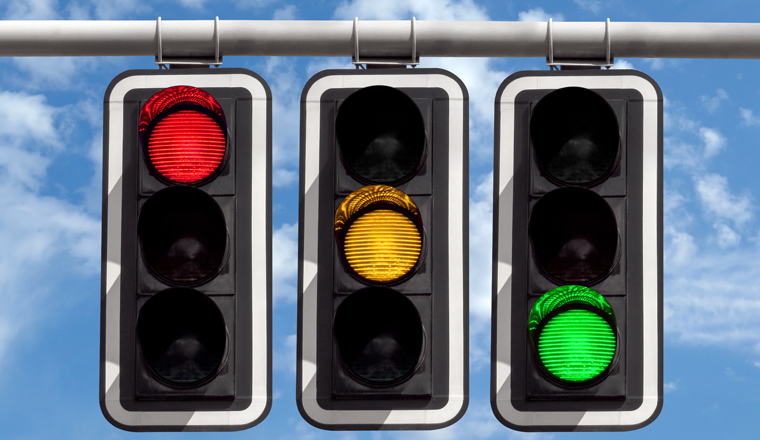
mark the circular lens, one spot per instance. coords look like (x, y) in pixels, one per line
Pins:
(379, 335)
(184, 134)
(183, 234)
(381, 135)
(573, 332)
(574, 235)
(182, 336)
(379, 233)
(575, 136)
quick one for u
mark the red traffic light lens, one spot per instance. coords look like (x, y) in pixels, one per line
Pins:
(184, 134)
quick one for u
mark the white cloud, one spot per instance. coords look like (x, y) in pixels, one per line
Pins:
(481, 251)
(481, 256)
(193, 4)
(119, 9)
(708, 301)
(286, 91)
(711, 103)
(727, 237)
(720, 203)
(713, 141)
(27, 133)
(287, 12)
(56, 73)
(39, 234)
(707, 266)
(242, 4)
(661, 63)
(690, 156)
(405, 10)
(284, 354)
(678, 154)
(622, 64)
(748, 118)
(594, 6)
(680, 248)
(669, 387)
(321, 64)
(284, 263)
(31, 9)
(538, 14)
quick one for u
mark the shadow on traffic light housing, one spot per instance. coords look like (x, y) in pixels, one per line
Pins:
(577, 300)
(382, 306)
(186, 284)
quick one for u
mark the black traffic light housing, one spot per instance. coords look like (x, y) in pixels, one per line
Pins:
(186, 284)
(382, 303)
(578, 246)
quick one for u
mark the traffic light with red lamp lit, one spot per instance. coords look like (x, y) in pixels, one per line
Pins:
(382, 306)
(577, 301)
(186, 284)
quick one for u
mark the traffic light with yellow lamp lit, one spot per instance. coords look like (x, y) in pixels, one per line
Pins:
(382, 306)
(186, 284)
(577, 306)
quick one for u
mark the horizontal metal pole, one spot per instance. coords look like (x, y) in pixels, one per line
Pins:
(570, 40)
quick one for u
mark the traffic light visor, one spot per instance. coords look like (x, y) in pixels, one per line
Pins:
(381, 135)
(574, 235)
(379, 233)
(183, 338)
(379, 336)
(574, 334)
(184, 134)
(575, 136)
(183, 235)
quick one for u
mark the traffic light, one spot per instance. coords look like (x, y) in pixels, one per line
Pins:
(382, 305)
(186, 284)
(577, 309)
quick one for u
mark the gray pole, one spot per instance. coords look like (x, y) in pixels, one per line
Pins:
(400, 39)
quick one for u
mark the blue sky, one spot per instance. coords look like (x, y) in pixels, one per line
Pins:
(50, 186)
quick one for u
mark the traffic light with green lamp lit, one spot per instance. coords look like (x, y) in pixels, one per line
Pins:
(382, 306)
(577, 305)
(186, 285)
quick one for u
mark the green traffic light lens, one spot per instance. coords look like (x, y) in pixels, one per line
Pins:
(573, 332)
(381, 135)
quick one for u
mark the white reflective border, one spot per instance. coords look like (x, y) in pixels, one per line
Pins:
(457, 150)
(503, 311)
(259, 391)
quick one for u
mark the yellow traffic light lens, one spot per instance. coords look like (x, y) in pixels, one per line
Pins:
(379, 233)
(382, 245)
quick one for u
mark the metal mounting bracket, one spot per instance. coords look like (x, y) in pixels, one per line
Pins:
(556, 64)
(163, 62)
(384, 62)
